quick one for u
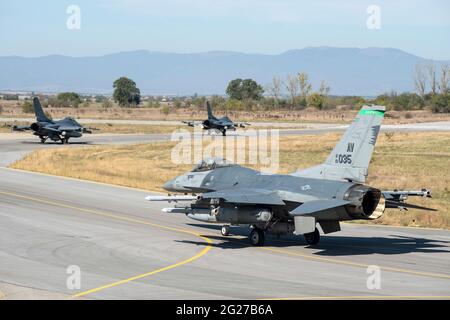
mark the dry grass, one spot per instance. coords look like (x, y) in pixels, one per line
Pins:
(403, 161)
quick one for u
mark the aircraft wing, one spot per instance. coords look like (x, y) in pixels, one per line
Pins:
(316, 206)
(20, 128)
(246, 196)
(193, 123)
(241, 124)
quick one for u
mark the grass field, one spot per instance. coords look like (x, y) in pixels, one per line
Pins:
(401, 161)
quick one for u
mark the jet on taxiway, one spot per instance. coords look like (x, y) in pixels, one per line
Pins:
(213, 123)
(229, 194)
(58, 130)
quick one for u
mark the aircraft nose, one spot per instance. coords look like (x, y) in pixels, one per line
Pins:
(169, 185)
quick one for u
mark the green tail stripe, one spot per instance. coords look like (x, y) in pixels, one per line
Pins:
(371, 113)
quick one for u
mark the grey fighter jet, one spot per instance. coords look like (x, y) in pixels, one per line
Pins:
(221, 124)
(222, 192)
(59, 130)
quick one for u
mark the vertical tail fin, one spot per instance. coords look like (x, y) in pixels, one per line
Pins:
(210, 113)
(40, 115)
(350, 158)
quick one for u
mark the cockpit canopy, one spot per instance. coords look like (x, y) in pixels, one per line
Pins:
(211, 164)
(72, 120)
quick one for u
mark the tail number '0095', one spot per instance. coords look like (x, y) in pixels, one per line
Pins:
(343, 158)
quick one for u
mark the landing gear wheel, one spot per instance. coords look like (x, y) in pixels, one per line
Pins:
(313, 237)
(224, 132)
(256, 237)
(225, 231)
(43, 139)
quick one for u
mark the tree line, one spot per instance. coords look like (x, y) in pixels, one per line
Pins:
(294, 92)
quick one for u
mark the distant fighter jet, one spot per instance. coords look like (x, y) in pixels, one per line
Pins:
(59, 130)
(326, 194)
(223, 124)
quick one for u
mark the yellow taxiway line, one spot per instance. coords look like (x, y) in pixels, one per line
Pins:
(127, 219)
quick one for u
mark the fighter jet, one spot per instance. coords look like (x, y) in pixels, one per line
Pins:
(221, 124)
(324, 195)
(59, 130)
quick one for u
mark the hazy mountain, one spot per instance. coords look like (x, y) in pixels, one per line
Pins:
(356, 71)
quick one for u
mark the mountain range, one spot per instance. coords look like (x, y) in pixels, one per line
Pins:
(348, 71)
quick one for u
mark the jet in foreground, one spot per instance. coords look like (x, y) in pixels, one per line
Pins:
(222, 124)
(222, 192)
(59, 130)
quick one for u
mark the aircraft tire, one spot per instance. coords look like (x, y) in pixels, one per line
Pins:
(312, 238)
(225, 230)
(256, 237)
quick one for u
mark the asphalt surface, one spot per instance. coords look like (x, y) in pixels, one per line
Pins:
(126, 248)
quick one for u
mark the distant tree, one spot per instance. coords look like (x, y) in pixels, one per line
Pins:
(67, 100)
(305, 87)
(292, 86)
(420, 79)
(239, 89)
(441, 102)
(316, 100)
(444, 79)
(274, 89)
(431, 72)
(27, 107)
(126, 94)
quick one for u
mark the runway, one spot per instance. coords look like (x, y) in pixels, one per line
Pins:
(126, 248)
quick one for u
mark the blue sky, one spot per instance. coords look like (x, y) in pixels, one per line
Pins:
(36, 28)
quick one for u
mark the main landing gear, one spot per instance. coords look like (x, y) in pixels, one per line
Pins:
(256, 236)
(43, 139)
(64, 140)
(313, 237)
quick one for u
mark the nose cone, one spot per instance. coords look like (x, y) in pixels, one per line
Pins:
(169, 185)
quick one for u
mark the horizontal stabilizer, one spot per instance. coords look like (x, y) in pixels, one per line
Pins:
(317, 205)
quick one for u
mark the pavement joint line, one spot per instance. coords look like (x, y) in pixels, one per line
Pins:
(123, 218)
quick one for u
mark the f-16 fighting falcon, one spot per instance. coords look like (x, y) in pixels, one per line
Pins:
(222, 124)
(323, 195)
(59, 130)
